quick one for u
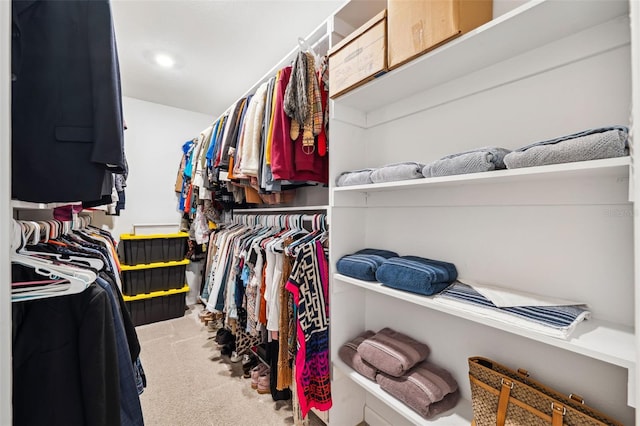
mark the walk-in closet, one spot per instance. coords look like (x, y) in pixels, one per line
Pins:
(319, 212)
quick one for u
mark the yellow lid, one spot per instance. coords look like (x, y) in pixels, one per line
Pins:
(156, 294)
(154, 265)
(153, 236)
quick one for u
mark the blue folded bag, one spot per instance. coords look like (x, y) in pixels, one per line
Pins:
(416, 274)
(364, 263)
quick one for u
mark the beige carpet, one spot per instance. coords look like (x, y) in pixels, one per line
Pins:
(189, 383)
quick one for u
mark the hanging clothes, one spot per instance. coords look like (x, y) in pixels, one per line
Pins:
(77, 354)
(66, 113)
(308, 284)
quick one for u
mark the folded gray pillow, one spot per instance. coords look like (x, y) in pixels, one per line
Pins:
(392, 352)
(348, 353)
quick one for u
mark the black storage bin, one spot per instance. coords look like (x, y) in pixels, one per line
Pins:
(140, 279)
(139, 249)
(158, 306)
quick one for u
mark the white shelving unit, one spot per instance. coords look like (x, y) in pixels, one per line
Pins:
(538, 70)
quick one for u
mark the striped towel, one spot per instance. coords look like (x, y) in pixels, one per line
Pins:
(555, 321)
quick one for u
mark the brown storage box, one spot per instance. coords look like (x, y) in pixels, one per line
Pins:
(360, 57)
(417, 26)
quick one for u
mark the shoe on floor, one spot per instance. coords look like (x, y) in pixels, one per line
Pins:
(248, 366)
(235, 357)
(255, 374)
(264, 382)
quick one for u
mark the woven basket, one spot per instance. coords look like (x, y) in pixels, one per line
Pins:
(529, 402)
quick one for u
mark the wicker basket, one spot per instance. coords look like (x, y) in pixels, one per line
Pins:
(501, 396)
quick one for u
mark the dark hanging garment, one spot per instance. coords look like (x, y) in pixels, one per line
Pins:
(67, 126)
(65, 364)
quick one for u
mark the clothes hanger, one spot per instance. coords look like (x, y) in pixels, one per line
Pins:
(305, 47)
(78, 279)
(21, 249)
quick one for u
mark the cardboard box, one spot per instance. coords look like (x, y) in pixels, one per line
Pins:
(360, 57)
(417, 26)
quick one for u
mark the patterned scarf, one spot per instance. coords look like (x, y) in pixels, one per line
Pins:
(303, 102)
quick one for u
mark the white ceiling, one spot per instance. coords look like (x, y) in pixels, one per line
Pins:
(222, 48)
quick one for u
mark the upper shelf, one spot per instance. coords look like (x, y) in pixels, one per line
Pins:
(616, 167)
(510, 34)
(605, 341)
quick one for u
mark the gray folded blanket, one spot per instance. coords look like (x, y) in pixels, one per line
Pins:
(593, 144)
(397, 171)
(349, 354)
(427, 389)
(392, 352)
(475, 161)
(356, 177)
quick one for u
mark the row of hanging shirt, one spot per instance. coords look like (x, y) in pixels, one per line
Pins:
(252, 249)
(265, 144)
(274, 271)
(75, 349)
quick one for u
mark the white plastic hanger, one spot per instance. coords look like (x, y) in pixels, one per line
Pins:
(79, 279)
(20, 248)
(305, 47)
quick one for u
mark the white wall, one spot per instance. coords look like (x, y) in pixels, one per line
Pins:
(153, 143)
(5, 214)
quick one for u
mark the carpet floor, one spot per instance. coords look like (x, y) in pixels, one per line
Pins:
(190, 383)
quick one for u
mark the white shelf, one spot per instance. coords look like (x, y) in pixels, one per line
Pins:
(27, 205)
(616, 167)
(460, 415)
(500, 39)
(605, 341)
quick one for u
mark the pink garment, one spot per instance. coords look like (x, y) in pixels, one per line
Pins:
(65, 213)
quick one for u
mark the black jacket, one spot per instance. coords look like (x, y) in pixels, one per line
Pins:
(65, 366)
(66, 100)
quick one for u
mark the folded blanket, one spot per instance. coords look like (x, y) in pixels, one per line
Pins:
(392, 352)
(349, 354)
(555, 321)
(364, 263)
(356, 177)
(475, 161)
(397, 171)
(427, 389)
(416, 274)
(593, 144)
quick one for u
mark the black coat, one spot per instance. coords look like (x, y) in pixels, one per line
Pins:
(65, 365)
(66, 100)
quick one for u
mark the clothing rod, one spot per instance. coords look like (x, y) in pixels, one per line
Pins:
(314, 39)
(278, 210)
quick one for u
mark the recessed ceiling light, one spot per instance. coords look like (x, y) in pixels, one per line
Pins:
(164, 60)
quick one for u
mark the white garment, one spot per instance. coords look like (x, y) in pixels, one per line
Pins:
(273, 307)
(250, 156)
